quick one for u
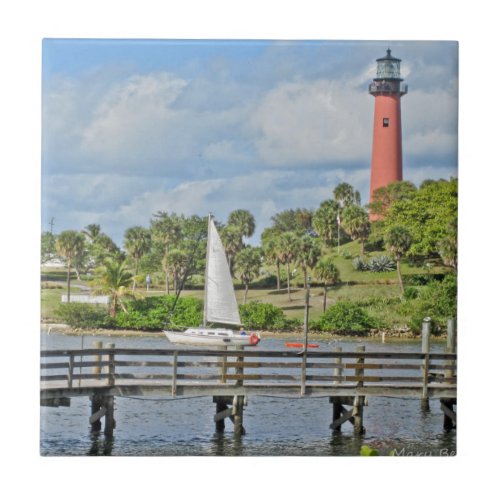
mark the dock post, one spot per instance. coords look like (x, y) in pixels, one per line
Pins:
(450, 415)
(109, 400)
(451, 346)
(221, 407)
(426, 340)
(337, 405)
(95, 399)
(95, 406)
(239, 399)
(359, 401)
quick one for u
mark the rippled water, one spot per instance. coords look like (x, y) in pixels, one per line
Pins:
(274, 426)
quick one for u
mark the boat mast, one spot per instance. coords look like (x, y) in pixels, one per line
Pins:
(206, 272)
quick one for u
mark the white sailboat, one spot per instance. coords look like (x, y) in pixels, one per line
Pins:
(220, 304)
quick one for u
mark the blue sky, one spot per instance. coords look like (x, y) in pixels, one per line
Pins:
(131, 127)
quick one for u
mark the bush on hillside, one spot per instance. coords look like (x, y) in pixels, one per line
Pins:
(346, 317)
(438, 301)
(152, 313)
(79, 315)
(262, 316)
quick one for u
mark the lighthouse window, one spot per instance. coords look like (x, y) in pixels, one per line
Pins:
(386, 122)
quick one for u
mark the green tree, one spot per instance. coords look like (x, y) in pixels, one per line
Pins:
(325, 223)
(346, 196)
(384, 197)
(166, 230)
(272, 253)
(137, 242)
(113, 279)
(69, 246)
(426, 215)
(231, 239)
(175, 262)
(248, 263)
(327, 272)
(298, 220)
(447, 247)
(287, 250)
(47, 246)
(356, 224)
(308, 253)
(92, 231)
(244, 221)
(398, 242)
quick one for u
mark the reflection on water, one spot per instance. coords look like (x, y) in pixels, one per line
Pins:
(100, 445)
(275, 426)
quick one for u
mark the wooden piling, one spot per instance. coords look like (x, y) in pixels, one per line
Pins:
(220, 406)
(337, 405)
(95, 399)
(95, 416)
(109, 401)
(238, 400)
(426, 340)
(359, 400)
(451, 345)
(450, 415)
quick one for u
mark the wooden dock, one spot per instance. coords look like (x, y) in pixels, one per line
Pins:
(231, 377)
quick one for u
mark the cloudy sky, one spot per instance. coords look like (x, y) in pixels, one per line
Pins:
(133, 127)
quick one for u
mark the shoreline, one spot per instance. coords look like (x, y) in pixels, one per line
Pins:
(394, 336)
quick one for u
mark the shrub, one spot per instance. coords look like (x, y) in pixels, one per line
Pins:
(359, 264)
(79, 315)
(262, 316)
(152, 313)
(438, 301)
(347, 316)
(380, 264)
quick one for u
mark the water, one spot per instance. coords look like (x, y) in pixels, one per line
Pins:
(274, 426)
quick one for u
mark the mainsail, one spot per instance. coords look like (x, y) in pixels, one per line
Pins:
(220, 301)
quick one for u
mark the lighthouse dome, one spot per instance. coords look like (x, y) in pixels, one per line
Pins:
(388, 67)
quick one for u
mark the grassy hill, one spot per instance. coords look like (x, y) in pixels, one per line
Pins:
(378, 292)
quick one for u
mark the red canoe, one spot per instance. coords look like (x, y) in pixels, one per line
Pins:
(299, 344)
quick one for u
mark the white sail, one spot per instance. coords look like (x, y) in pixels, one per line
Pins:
(220, 300)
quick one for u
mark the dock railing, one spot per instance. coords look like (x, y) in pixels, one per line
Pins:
(176, 372)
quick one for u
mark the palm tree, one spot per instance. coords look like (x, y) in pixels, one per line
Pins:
(248, 263)
(327, 272)
(325, 221)
(114, 279)
(175, 262)
(272, 254)
(69, 246)
(346, 196)
(231, 239)
(244, 221)
(287, 249)
(137, 243)
(167, 231)
(356, 224)
(92, 231)
(308, 253)
(398, 242)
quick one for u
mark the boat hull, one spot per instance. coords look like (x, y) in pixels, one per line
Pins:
(212, 337)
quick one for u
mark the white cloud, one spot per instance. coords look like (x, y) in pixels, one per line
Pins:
(312, 122)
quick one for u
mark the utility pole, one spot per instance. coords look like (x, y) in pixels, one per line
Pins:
(51, 224)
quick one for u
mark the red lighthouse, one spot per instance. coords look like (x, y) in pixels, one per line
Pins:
(387, 88)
